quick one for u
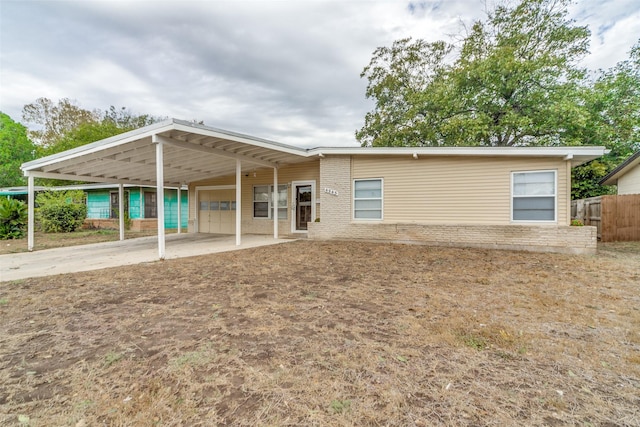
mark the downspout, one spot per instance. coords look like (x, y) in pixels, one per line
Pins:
(568, 158)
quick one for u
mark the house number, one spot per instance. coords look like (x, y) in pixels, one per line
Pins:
(331, 191)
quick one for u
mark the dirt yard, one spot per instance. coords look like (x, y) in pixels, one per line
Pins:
(328, 334)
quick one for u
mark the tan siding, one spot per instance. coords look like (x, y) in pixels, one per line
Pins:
(307, 171)
(629, 183)
(460, 190)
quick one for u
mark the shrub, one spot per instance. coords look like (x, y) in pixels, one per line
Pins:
(61, 211)
(576, 223)
(13, 219)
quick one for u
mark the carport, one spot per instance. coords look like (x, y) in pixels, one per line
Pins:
(170, 153)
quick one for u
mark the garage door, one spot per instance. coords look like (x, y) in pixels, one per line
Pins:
(217, 211)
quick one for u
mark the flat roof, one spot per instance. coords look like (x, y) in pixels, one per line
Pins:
(193, 152)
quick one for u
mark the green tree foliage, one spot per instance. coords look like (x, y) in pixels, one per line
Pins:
(65, 125)
(48, 122)
(61, 211)
(111, 123)
(13, 219)
(613, 105)
(15, 149)
(513, 80)
(125, 120)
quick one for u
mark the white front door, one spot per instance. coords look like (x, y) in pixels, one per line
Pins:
(303, 196)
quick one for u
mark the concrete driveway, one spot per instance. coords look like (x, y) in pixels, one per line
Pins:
(112, 254)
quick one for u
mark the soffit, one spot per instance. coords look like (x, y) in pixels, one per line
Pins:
(190, 153)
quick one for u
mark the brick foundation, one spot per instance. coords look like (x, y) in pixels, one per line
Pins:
(536, 238)
(112, 224)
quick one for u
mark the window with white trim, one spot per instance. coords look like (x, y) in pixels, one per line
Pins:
(533, 196)
(263, 201)
(367, 198)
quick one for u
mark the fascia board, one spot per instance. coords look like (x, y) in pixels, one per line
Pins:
(114, 141)
(463, 151)
(577, 155)
(238, 137)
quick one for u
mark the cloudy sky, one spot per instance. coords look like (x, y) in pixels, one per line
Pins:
(286, 70)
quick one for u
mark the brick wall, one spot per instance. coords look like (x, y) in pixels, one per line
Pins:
(335, 206)
(537, 238)
(112, 224)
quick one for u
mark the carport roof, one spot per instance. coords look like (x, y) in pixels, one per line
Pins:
(193, 152)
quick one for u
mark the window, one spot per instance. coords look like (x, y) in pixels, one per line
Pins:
(367, 199)
(533, 196)
(263, 201)
(150, 205)
(114, 211)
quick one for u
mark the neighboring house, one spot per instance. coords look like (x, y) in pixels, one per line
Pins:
(495, 197)
(626, 176)
(103, 204)
(140, 205)
(18, 193)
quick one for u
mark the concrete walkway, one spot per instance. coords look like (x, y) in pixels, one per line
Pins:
(112, 254)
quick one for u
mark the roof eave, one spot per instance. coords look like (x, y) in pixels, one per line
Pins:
(612, 177)
(115, 140)
(577, 155)
(159, 128)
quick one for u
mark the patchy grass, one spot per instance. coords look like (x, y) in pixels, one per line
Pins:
(333, 333)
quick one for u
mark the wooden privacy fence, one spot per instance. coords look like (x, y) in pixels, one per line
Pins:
(616, 217)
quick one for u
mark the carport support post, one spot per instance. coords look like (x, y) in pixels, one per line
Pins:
(276, 200)
(238, 202)
(160, 195)
(179, 211)
(121, 210)
(30, 213)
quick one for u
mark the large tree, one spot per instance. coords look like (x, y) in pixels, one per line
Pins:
(613, 107)
(48, 121)
(109, 123)
(512, 80)
(15, 149)
(64, 125)
(60, 126)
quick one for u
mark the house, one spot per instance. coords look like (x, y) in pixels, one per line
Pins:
(626, 176)
(140, 206)
(496, 197)
(103, 204)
